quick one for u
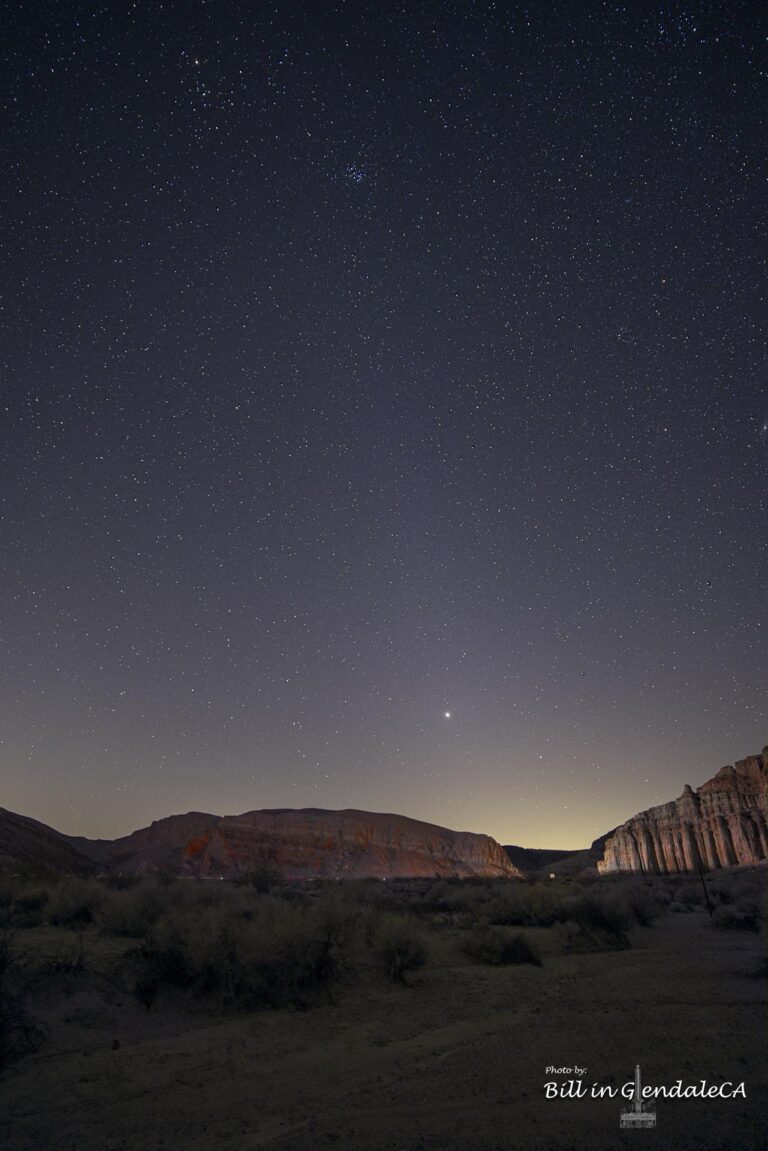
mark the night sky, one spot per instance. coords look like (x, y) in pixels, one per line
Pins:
(384, 409)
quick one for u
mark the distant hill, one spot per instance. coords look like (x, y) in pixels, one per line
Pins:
(564, 864)
(580, 861)
(300, 844)
(33, 846)
(534, 858)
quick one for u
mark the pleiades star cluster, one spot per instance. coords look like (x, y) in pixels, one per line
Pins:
(384, 408)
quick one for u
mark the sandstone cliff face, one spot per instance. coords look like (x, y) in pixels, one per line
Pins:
(313, 843)
(300, 844)
(721, 824)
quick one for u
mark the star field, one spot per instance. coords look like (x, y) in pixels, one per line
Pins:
(383, 409)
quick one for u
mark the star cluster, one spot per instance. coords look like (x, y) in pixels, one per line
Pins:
(383, 409)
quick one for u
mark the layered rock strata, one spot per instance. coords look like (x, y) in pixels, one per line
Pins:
(309, 843)
(723, 823)
(299, 844)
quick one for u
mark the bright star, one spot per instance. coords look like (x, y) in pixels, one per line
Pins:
(447, 714)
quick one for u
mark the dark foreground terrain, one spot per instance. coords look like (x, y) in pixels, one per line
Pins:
(378, 1017)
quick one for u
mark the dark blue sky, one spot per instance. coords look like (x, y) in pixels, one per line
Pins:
(366, 362)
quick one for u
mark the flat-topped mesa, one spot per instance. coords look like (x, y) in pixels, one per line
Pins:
(299, 844)
(723, 823)
(342, 844)
(304, 844)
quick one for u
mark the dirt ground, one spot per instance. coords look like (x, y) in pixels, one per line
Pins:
(455, 1061)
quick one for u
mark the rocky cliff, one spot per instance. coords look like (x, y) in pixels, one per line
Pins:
(301, 844)
(308, 843)
(721, 824)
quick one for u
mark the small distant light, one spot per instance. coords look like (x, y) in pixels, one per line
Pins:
(447, 714)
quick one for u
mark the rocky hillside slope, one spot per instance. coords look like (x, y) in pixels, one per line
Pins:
(721, 824)
(308, 843)
(28, 844)
(300, 844)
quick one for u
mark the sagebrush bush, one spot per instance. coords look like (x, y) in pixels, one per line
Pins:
(8, 894)
(19, 1032)
(495, 946)
(400, 949)
(596, 921)
(74, 903)
(68, 958)
(575, 938)
(660, 894)
(28, 909)
(262, 879)
(760, 970)
(640, 903)
(732, 919)
(276, 955)
(724, 890)
(458, 901)
(597, 914)
(131, 911)
(529, 905)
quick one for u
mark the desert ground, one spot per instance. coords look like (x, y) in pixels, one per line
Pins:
(448, 1053)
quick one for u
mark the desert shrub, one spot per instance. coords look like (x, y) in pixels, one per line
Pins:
(281, 961)
(751, 905)
(399, 949)
(692, 894)
(493, 945)
(529, 905)
(28, 910)
(597, 921)
(575, 938)
(262, 879)
(724, 890)
(131, 911)
(19, 1032)
(731, 919)
(367, 926)
(760, 970)
(361, 893)
(120, 882)
(639, 902)
(7, 898)
(457, 900)
(8, 958)
(601, 915)
(69, 958)
(749, 893)
(338, 918)
(280, 955)
(146, 984)
(660, 894)
(74, 903)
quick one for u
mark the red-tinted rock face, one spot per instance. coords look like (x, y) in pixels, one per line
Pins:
(722, 824)
(308, 844)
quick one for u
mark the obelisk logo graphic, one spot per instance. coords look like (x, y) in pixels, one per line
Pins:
(638, 1114)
